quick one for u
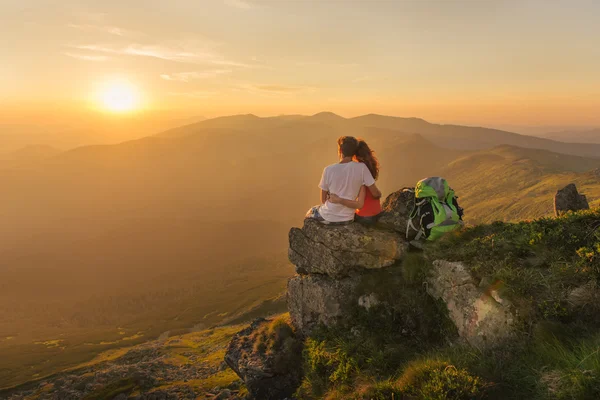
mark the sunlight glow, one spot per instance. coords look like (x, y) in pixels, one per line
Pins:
(119, 96)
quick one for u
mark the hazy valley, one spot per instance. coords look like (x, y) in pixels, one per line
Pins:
(110, 245)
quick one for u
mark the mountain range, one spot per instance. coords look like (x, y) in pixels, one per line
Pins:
(189, 226)
(575, 136)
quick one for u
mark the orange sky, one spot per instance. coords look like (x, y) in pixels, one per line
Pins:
(477, 62)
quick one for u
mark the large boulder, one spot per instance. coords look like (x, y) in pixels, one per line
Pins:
(319, 299)
(481, 315)
(339, 250)
(394, 295)
(266, 356)
(568, 199)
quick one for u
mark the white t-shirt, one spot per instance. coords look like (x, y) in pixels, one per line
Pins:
(344, 180)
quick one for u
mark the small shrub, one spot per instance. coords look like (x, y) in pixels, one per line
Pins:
(438, 380)
(277, 339)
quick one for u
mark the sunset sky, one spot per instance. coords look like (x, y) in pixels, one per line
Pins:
(479, 62)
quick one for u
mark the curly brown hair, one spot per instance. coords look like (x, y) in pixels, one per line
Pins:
(365, 155)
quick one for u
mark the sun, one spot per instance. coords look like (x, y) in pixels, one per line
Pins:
(119, 97)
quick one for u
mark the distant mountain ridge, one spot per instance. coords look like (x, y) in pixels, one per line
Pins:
(452, 136)
(575, 136)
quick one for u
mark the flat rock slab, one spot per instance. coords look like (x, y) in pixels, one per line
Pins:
(338, 250)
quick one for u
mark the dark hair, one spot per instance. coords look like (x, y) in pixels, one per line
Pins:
(347, 146)
(365, 155)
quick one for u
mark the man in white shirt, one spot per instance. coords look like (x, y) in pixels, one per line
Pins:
(345, 180)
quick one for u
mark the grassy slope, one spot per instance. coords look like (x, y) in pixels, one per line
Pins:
(205, 349)
(511, 184)
(240, 288)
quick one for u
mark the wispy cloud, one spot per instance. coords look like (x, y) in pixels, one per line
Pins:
(180, 54)
(244, 5)
(112, 30)
(194, 75)
(86, 57)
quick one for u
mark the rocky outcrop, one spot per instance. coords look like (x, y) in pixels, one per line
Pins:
(267, 357)
(334, 262)
(396, 209)
(568, 199)
(339, 250)
(330, 260)
(481, 315)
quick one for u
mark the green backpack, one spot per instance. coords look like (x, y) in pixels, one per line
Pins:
(436, 210)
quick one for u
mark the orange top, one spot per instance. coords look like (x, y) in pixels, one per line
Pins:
(371, 208)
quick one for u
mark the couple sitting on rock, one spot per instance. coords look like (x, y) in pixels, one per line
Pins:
(348, 190)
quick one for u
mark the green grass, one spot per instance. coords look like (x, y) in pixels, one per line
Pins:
(426, 379)
(112, 390)
(536, 263)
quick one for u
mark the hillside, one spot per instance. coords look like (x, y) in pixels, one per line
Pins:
(171, 224)
(511, 184)
(188, 366)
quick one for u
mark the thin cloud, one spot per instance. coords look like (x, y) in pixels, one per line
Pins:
(189, 76)
(175, 54)
(112, 30)
(244, 5)
(86, 57)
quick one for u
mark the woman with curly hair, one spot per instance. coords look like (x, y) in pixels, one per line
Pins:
(368, 207)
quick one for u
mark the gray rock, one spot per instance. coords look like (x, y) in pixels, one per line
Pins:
(337, 251)
(269, 374)
(396, 210)
(320, 299)
(482, 316)
(568, 199)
